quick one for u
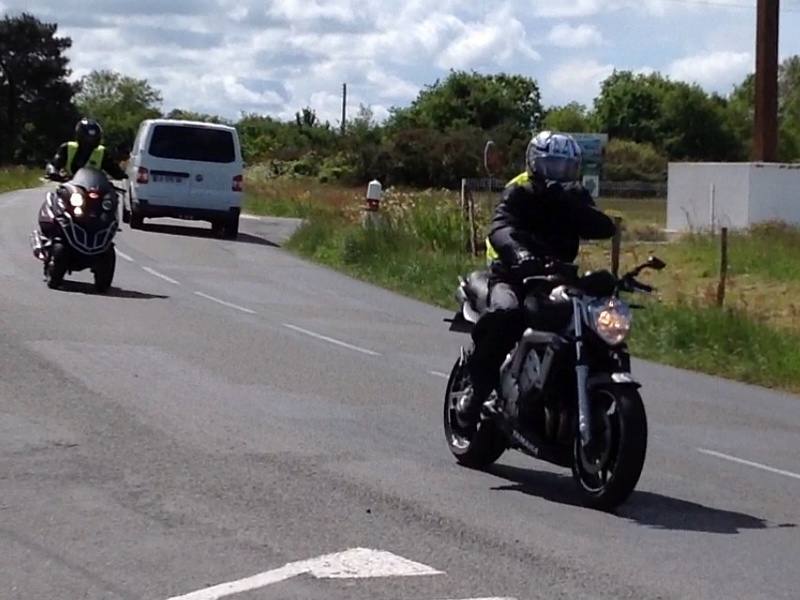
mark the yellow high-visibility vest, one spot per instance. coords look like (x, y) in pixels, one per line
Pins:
(491, 253)
(95, 158)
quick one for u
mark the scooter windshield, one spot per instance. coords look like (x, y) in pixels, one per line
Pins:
(89, 178)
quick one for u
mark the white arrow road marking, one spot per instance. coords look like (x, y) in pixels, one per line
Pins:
(353, 563)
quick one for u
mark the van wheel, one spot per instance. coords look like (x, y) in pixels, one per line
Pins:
(232, 228)
(136, 221)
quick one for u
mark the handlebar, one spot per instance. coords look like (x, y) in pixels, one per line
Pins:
(562, 272)
(631, 284)
(58, 178)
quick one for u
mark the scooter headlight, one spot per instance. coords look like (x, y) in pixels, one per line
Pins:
(610, 319)
(76, 199)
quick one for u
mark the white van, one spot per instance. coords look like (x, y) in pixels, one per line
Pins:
(185, 170)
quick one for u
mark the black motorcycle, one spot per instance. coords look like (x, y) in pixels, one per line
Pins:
(565, 396)
(78, 223)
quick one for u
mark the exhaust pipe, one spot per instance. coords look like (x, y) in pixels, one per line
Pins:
(37, 244)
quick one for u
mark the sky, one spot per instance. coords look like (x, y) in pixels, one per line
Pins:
(275, 57)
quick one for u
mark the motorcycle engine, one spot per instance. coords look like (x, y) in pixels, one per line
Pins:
(529, 373)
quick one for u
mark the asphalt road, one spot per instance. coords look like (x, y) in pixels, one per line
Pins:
(228, 409)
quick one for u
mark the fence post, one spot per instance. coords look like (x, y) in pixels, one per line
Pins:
(616, 244)
(723, 266)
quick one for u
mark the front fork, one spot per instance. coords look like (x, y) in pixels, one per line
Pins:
(582, 374)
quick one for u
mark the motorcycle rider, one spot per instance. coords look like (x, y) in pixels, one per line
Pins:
(537, 224)
(84, 150)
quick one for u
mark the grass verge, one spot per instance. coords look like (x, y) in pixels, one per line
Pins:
(18, 178)
(421, 248)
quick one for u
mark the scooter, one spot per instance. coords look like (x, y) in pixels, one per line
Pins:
(77, 226)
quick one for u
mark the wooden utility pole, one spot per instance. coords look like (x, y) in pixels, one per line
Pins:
(765, 130)
(344, 106)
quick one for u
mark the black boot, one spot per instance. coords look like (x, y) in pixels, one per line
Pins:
(468, 409)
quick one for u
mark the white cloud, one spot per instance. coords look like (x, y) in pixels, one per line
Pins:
(567, 36)
(712, 69)
(579, 80)
(229, 56)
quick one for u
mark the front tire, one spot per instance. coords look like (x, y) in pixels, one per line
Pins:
(607, 472)
(56, 267)
(476, 447)
(104, 270)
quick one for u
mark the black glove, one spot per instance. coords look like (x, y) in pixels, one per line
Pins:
(528, 266)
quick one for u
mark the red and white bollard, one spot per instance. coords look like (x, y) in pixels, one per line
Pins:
(372, 202)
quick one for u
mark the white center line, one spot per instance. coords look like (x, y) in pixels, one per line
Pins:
(439, 374)
(161, 275)
(750, 463)
(331, 340)
(125, 256)
(225, 303)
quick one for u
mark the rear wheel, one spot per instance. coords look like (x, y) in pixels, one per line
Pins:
(136, 220)
(232, 228)
(56, 266)
(477, 446)
(104, 270)
(608, 470)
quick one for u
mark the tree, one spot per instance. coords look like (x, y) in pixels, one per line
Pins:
(629, 106)
(472, 99)
(742, 102)
(37, 110)
(695, 126)
(119, 102)
(188, 115)
(573, 117)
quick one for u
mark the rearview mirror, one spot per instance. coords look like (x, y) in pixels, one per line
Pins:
(491, 158)
(655, 263)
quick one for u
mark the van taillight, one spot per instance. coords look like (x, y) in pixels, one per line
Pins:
(237, 185)
(142, 175)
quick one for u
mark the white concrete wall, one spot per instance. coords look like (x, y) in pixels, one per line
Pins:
(775, 192)
(689, 195)
(744, 194)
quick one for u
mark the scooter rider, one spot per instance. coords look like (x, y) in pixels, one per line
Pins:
(85, 150)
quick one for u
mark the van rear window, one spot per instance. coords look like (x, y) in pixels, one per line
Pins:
(187, 142)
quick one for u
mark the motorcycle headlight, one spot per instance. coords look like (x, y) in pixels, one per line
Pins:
(610, 319)
(107, 205)
(76, 199)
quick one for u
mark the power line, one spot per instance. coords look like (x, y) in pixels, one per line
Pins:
(726, 5)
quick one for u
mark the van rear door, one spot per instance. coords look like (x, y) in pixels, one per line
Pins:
(194, 165)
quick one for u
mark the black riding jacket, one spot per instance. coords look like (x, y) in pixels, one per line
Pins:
(548, 223)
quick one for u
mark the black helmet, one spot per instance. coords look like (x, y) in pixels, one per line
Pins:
(88, 133)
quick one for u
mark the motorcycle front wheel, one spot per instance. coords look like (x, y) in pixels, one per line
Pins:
(474, 447)
(608, 470)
